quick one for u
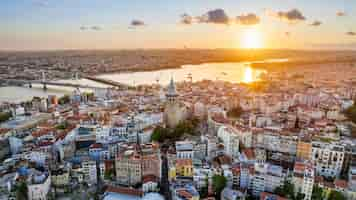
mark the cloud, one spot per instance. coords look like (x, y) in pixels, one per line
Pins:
(41, 3)
(291, 16)
(336, 46)
(248, 19)
(316, 23)
(186, 19)
(340, 13)
(351, 33)
(217, 16)
(137, 22)
(94, 28)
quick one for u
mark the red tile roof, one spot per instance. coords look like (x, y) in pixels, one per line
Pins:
(96, 145)
(266, 195)
(184, 162)
(124, 190)
(340, 183)
(149, 178)
(249, 153)
(185, 194)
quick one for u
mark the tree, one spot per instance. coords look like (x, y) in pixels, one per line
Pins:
(235, 112)
(64, 100)
(159, 134)
(317, 193)
(4, 116)
(249, 197)
(204, 191)
(62, 126)
(351, 113)
(299, 196)
(288, 190)
(21, 191)
(336, 195)
(219, 183)
(109, 174)
(185, 127)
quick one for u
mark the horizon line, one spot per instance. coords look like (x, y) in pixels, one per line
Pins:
(180, 49)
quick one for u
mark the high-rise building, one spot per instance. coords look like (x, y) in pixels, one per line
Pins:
(303, 178)
(328, 158)
(133, 164)
(304, 149)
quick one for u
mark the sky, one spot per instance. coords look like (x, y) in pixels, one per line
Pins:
(147, 24)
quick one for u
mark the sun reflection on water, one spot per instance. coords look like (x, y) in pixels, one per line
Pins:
(248, 76)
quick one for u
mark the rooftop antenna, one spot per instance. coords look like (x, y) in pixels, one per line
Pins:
(157, 80)
(190, 77)
(43, 76)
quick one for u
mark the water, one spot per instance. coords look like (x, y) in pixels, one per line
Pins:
(233, 72)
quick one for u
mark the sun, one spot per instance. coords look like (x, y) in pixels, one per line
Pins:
(251, 39)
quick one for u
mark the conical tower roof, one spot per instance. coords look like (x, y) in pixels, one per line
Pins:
(171, 90)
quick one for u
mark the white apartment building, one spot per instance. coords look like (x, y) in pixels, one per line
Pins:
(38, 186)
(303, 179)
(145, 120)
(266, 177)
(246, 172)
(89, 170)
(230, 140)
(328, 158)
(274, 177)
(211, 145)
(244, 135)
(128, 168)
(258, 181)
(201, 177)
(275, 141)
(184, 150)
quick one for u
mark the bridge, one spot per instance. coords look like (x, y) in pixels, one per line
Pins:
(107, 82)
(45, 83)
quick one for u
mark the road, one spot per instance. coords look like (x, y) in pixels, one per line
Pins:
(164, 179)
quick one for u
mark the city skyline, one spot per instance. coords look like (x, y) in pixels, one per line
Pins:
(111, 24)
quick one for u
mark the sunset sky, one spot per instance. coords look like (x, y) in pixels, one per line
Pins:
(131, 24)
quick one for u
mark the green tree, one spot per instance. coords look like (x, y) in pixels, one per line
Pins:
(336, 195)
(21, 191)
(288, 190)
(159, 134)
(351, 113)
(299, 196)
(317, 193)
(204, 191)
(109, 174)
(4, 116)
(249, 197)
(64, 100)
(185, 127)
(219, 183)
(235, 112)
(90, 95)
(62, 125)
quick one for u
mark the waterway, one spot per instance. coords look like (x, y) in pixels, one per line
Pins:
(232, 72)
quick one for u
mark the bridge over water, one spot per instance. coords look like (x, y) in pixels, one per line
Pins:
(45, 83)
